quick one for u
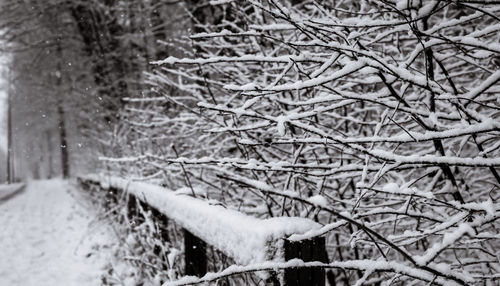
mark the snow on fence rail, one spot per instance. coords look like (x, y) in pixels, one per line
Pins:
(8, 191)
(247, 240)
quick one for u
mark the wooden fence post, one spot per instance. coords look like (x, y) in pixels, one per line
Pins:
(306, 250)
(131, 207)
(110, 198)
(195, 256)
(162, 222)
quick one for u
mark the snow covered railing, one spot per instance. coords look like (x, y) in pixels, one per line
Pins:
(247, 240)
(10, 190)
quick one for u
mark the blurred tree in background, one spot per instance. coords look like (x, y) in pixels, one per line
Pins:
(72, 63)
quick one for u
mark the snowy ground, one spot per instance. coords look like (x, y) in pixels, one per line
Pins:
(49, 236)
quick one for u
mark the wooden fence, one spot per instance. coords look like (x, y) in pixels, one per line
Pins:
(10, 190)
(164, 205)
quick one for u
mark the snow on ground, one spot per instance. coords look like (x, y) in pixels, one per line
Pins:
(48, 236)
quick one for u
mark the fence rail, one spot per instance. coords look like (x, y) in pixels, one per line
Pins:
(10, 190)
(247, 240)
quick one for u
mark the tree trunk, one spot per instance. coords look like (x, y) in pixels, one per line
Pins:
(9, 140)
(61, 122)
(49, 155)
(64, 142)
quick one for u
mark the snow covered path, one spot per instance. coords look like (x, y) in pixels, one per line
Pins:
(49, 237)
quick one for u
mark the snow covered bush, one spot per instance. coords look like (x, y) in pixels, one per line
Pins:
(379, 119)
(142, 257)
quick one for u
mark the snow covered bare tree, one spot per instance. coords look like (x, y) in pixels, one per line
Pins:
(379, 119)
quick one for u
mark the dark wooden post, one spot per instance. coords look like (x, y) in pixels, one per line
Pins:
(131, 207)
(195, 255)
(111, 198)
(306, 250)
(161, 221)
